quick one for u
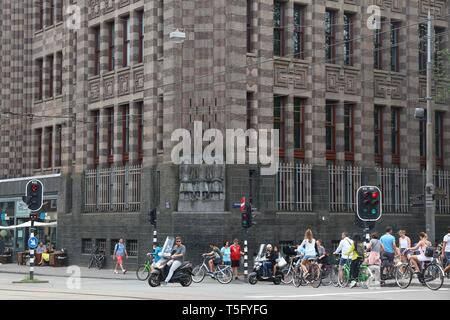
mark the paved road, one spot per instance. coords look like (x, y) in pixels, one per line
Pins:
(112, 289)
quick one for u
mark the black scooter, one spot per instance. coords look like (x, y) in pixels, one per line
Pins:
(160, 269)
(258, 273)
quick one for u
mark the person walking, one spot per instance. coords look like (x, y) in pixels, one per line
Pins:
(226, 253)
(344, 246)
(235, 250)
(120, 251)
(446, 251)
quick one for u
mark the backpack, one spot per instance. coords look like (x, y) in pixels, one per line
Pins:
(359, 249)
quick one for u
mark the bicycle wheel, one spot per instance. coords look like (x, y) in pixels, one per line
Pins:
(297, 277)
(91, 262)
(433, 276)
(345, 276)
(335, 275)
(224, 275)
(198, 274)
(143, 272)
(403, 275)
(327, 275)
(364, 277)
(287, 275)
(315, 276)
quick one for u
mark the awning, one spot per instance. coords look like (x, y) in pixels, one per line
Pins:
(28, 224)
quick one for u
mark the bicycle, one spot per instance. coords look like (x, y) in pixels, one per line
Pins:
(288, 271)
(313, 278)
(330, 274)
(143, 272)
(97, 258)
(387, 270)
(431, 274)
(223, 273)
(364, 275)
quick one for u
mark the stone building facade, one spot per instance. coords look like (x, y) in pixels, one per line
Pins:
(99, 101)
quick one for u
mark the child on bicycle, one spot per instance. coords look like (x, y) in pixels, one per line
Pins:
(357, 253)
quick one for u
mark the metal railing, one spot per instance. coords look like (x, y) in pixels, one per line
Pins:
(294, 187)
(343, 184)
(441, 181)
(112, 189)
(393, 183)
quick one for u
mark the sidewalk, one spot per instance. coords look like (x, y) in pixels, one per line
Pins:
(64, 272)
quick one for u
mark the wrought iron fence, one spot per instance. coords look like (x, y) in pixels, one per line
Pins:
(294, 187)
(442, 185)
(112, 189)
(393, 183)
(343, 184)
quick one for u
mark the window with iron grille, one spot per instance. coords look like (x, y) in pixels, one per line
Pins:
(395, 135)
(96, 31)
(299, 127)
(378, 134)
(141, 36)
(395, 47)
(330, 130)
(86, 246)
(278, 28)
(132, 248)
(111, 46)
(299, 31)
(249, 25)
(439, 46)
(101, 245)
(330, 36)
(126, 58)
(348, 38)
(378, 48)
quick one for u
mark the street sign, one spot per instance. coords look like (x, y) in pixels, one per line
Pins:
(236, 205)
(32, 243)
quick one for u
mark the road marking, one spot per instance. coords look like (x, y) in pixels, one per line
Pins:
(335, 294)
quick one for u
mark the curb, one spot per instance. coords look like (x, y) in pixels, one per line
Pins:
(68, 275)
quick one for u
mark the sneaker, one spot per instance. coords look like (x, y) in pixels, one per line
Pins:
(352, 284)
(164, 283)
(115, 271)
(124, 271)
(237, 278)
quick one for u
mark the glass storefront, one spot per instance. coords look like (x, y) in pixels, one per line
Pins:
(16, 239)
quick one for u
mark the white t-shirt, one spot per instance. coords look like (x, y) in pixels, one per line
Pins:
(310, 249)
(447, 239)
(344, 247)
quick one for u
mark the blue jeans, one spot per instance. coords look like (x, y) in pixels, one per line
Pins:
(267, 268)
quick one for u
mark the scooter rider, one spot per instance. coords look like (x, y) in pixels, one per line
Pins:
(270, 260)
(176, 259)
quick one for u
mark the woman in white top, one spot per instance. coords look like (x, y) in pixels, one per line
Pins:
(405, 243)
(422, 247)
(310, 247)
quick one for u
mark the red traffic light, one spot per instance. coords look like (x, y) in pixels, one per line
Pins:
(34, 187)
(375, 195)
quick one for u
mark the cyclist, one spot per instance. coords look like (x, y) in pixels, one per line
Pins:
(344, 246)
(446, 250)
(311, 250)
(215, 258)
(405, 243)
(388, 241)
(323, 257)
(357, 253)
(422, 247)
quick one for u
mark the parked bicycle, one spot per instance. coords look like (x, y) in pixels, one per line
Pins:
(97, 258)
(431, 273)
(387, 270)
(223, 273)
(143, 272)
(364, 276)
(313, 277)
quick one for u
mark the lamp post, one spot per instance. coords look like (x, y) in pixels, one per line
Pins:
(429, 188)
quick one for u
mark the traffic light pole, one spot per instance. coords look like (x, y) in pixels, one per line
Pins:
(246, 254)
(429, 188)
(32, 251)
(155, 235)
